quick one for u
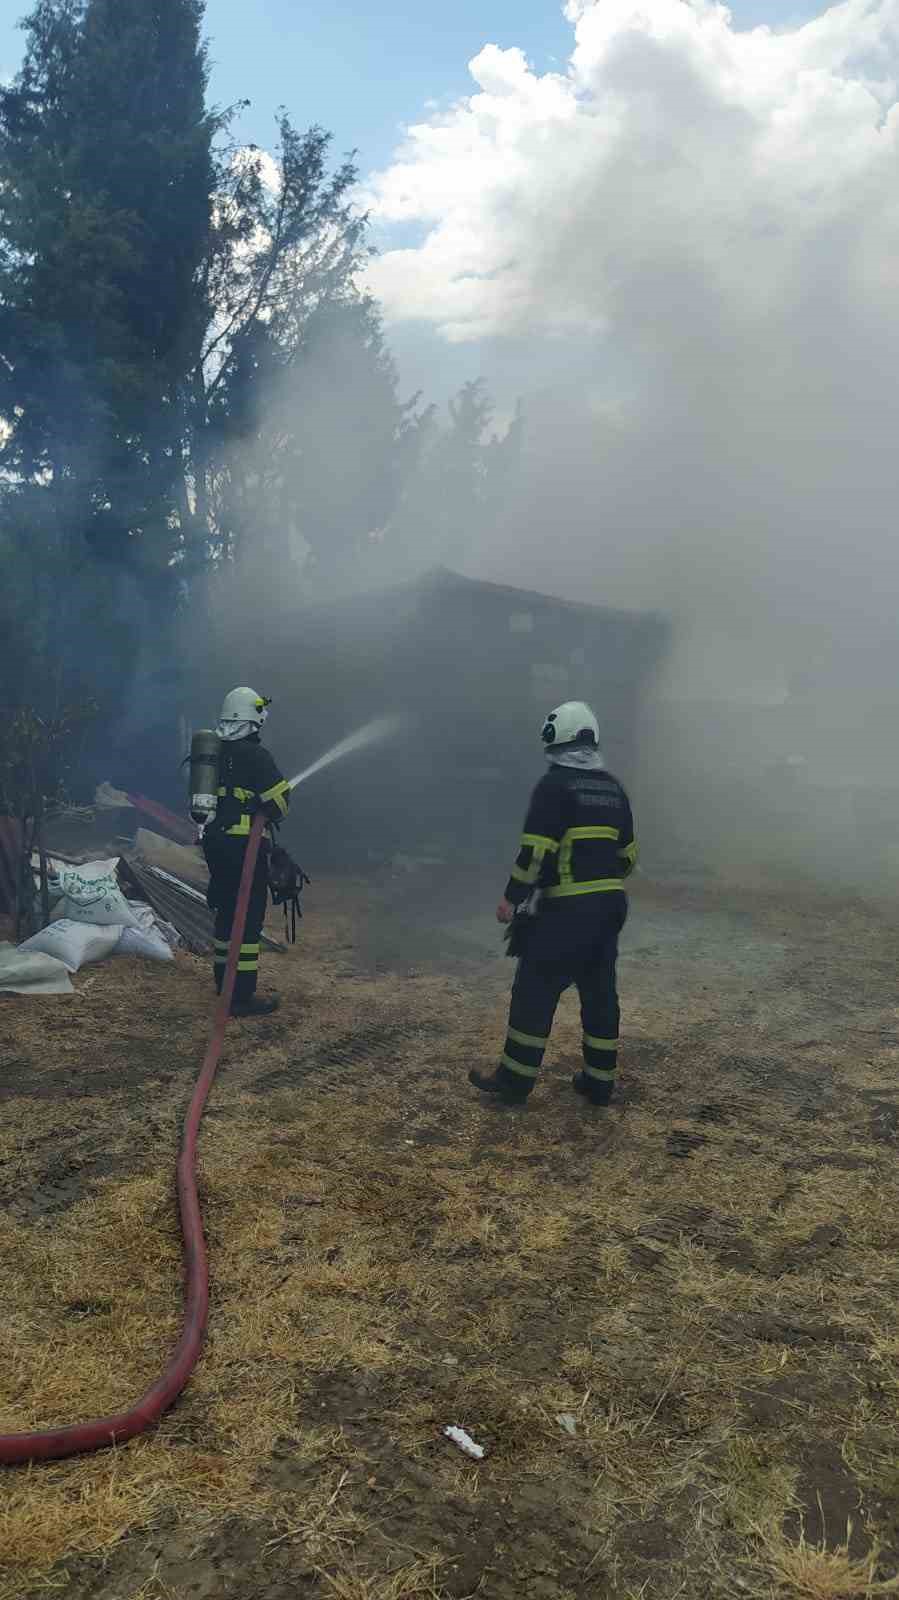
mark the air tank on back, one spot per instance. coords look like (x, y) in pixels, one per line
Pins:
(204, 776)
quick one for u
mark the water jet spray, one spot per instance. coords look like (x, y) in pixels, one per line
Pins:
(374, 732)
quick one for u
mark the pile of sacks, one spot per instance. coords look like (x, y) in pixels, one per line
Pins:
(91, 919)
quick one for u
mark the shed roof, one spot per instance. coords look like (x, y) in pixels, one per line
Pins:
(442, 578)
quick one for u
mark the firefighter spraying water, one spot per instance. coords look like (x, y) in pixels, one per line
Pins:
(232, 778)
(204, 761)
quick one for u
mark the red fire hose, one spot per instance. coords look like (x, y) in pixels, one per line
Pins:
(16, 1448)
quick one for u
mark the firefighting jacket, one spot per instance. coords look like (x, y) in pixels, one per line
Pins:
(249, 781)
(578, 837)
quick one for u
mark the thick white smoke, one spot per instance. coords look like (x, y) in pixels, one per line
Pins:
(702, 225)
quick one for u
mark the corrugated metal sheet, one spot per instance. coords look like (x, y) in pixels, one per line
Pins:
(193, 920)
(10, 856)
(177, 904)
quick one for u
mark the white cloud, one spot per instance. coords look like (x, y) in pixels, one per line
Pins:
(710, 217)
(673, 143)
(250, 155)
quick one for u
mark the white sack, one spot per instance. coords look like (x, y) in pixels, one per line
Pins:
(148, 942)
(74, 943)
(91, 893)
(154, 930)
(91, 872)
(30, 972)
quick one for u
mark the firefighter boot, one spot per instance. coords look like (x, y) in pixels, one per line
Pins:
(509, 1088)
(255, 1006)
(598, 1093)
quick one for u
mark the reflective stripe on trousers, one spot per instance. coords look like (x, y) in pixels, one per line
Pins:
(540, 982)
(225, 856)
(248, 959)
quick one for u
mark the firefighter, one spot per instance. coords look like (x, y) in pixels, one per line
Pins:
(249, 781)
(577, 849)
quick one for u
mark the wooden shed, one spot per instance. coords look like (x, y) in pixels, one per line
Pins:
(475, 667)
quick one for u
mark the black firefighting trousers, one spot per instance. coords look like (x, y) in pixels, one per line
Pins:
(573, 943)
(225, 859)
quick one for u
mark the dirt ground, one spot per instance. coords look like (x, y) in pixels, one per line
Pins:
(701, 1282)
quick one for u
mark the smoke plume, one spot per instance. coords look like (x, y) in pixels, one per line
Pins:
(683, 252)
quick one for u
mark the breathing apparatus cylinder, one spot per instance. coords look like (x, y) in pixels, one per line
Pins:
(204, 776)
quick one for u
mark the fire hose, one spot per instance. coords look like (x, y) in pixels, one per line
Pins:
(98, 1434)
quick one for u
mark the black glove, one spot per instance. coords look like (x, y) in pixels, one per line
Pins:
(519, 933)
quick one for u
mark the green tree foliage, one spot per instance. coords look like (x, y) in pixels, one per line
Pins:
(290, 325)
(318, 476)
(192, 377)
(458, 486)
(105, 201)
(106, 180)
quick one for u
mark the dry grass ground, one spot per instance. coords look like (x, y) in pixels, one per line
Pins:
(705, 1278)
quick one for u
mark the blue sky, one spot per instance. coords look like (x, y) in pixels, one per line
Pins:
(363, 69)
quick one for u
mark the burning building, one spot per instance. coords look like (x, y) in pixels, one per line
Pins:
(474, 667)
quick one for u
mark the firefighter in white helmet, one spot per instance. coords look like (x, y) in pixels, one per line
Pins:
(577, 849)
(249, 781)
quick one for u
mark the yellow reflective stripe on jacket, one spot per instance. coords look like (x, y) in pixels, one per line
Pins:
(241, 829)
(531, 872)
(597, 886)
(539, 846)
(539, 841)
(571, 838)
(280, 794)
(629, 854)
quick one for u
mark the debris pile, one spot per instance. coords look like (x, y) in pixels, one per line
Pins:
(111, 892)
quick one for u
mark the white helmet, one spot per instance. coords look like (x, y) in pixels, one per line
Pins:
(243, 712)
(572, 723)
